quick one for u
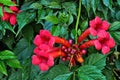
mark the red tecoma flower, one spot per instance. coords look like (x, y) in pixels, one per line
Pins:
(96, 25)
(44, 39)
(5, 16)
(45, 59)
(103, 42)
(13, 19)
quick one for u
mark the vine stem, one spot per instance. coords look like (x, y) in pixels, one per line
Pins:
(78, 18)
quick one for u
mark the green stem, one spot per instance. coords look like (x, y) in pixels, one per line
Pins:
(78, 18)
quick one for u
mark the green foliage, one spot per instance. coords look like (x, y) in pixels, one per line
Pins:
(89, 72)
(97, 60)
(59, 17)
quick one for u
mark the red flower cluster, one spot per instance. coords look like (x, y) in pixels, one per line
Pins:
(46, 52)
(11, 17)
(103, 41)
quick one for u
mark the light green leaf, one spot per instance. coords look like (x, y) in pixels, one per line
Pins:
(63, 76)
(1, 11)
(24, 18)
(84, 25)
(94, 5)
(52, 19)
(55, 30)
(7, 9)
(7, 55)
(54, 5)
(14, 63)
(7, 2)
(3, 68)
(89, 72)
(115, 26)
(98, 60)
(108, 3)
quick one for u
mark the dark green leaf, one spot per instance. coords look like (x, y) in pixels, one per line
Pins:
(7, 2)
(3, 68)
(23, 49)
(115, 26)
(63, 76)
(35, 6)
(118, 15)
(94, 4)
(89, 72)
(73, 33)
(70, 7)
(52, 19)
(14, 63)
(24, 18)
(116, 36)
(117, 64)
(118, 1)
(28, 32)
(7, 55)
(97, 60)
(55, 71)
(108, 3)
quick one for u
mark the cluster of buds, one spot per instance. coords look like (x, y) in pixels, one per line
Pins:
(46, 52)
(10, 16)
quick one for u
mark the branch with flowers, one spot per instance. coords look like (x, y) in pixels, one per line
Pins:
(46, 52)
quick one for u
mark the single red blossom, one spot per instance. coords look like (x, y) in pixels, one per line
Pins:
(36, 60)
(45, 38)
(5, 16)
(97, 24)
(14, 8)
(13, 19)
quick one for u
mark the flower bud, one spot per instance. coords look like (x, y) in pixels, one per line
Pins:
(13, 19)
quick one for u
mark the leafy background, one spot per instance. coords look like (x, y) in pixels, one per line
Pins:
(59, 17)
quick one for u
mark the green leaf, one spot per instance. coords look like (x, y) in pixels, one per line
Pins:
(63, 76)
(108, 3)
(98, 60)
(28, 32)
(8, 10)
(23, 49)
(1, 11)
(84, 25)
(73, 33)
(7, 2)
(94, 5)
(55, 30)
(35, 5)
(115, 26)
(115, 35)
(14, 63)
(54, 72)
(117, 15)
(89, 72)
(52, 19)
(54, 5)
(8, 26)
(118, 1)
(24, 18)
(87, 5)
(117, 64)
(7, 55)
(70, 7)
(3, 68)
